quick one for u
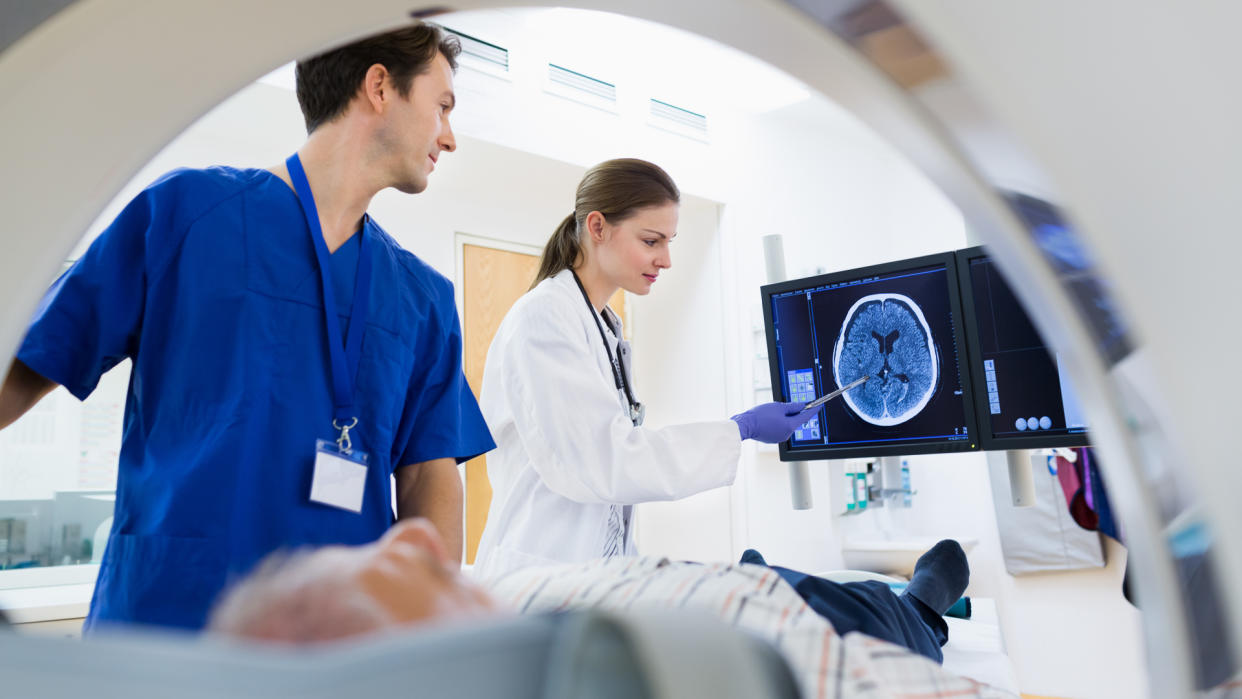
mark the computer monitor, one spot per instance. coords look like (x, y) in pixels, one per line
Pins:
(1077, 272)
(899, 323)
(1022, 398)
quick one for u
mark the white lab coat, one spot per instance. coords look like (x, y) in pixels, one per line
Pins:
(567, 452)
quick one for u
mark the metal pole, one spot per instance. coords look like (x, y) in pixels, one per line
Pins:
(799, 473)
(1021, 477)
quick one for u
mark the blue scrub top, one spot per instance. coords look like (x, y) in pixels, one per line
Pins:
(208, 282)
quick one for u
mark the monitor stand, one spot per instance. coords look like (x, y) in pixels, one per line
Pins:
(1021, 477)
(800, 485)
(799, 471)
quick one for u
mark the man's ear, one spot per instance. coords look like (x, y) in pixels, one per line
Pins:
(377, 87)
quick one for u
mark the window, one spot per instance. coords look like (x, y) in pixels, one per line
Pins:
(58, 467)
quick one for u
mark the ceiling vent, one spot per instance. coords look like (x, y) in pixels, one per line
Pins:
(678, 120)
(481, 55)
(582, 88)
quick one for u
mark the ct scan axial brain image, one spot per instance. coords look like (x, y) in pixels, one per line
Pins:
(887, 337)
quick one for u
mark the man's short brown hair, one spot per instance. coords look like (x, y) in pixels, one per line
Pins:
(327, 82)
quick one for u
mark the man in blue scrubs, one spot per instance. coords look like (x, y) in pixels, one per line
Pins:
(256, 419)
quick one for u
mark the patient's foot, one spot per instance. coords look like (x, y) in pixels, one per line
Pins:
(940, 576)
(753, 556)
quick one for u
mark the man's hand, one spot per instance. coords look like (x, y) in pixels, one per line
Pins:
(432, 489)
(23, 387)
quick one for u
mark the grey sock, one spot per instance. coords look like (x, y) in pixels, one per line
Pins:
(940, 576)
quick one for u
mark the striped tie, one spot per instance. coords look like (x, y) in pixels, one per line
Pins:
(614, 544)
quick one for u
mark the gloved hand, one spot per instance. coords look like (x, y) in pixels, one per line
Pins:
(771, 422)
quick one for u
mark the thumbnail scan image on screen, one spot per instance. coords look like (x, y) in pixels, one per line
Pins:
(896, 324)
(886, 337)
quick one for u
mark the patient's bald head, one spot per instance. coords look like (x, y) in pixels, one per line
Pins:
(337, 592)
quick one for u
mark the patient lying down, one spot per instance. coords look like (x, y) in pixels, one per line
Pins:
(404, 579)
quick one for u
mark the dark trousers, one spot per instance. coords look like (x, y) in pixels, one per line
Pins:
(871, 608)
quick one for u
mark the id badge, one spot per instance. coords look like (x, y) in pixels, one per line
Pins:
(340, 478)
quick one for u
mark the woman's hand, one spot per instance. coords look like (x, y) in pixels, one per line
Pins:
(771, 422)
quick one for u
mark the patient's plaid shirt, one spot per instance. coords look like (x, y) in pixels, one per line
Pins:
(754, 598)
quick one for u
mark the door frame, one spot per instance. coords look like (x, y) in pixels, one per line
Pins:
(460, 241)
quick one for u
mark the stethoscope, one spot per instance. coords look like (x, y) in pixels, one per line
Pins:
(638, 411)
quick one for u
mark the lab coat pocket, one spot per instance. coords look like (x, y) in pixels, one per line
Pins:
(163, 580)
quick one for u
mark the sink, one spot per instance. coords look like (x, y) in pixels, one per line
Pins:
(891, 557)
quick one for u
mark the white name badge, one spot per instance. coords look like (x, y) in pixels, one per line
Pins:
(340, 479)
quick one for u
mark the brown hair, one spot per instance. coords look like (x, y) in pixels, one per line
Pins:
(615, 188)
(327, 82)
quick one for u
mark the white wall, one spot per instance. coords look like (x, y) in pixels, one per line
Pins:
(525, 196)
(841, 198)
(1070, 634)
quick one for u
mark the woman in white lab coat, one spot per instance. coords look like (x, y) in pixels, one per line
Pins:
(572, 455)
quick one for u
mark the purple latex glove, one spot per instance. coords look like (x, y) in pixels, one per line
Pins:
(771, 422)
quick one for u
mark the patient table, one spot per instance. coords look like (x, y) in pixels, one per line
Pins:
(581, 654)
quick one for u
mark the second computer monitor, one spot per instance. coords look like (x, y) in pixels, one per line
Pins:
(1023, 399)
(900, 324)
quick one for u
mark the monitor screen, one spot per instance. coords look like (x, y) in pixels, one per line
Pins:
(1076, 271)
(898, 323)
(1023, 400)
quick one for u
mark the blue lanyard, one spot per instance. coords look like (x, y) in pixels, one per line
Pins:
(344, 355)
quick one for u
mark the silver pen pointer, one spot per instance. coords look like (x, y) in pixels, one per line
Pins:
(827, 397)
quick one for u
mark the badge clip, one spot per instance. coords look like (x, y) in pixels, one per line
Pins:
(344, 443)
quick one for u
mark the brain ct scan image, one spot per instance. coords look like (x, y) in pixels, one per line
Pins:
(887, 337)
(895, 322)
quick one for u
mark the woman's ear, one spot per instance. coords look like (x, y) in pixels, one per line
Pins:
(595, 226)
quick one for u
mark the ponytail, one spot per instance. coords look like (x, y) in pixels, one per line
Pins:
(561, 252)
(615, 188)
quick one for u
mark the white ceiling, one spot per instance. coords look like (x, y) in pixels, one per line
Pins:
(665, 63)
